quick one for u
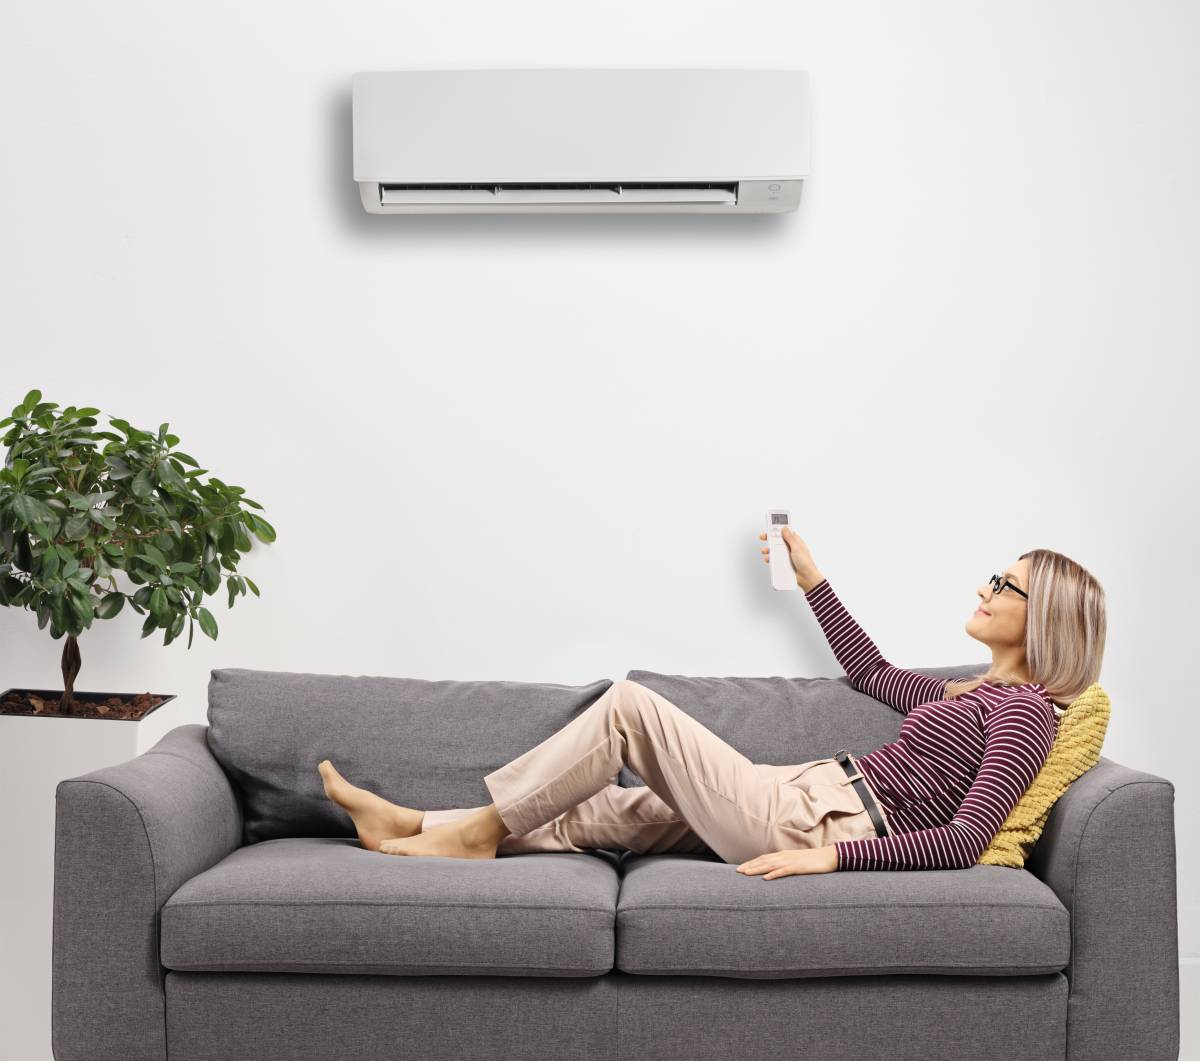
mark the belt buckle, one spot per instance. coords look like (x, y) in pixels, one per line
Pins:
(852, 771)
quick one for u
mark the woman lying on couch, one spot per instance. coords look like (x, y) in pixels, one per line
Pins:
(934, 798)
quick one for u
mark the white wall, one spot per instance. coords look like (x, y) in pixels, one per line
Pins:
(972, 340)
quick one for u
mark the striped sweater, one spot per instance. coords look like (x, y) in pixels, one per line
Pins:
(959, 766)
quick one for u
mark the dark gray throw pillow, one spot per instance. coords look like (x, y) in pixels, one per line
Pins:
(416, 742)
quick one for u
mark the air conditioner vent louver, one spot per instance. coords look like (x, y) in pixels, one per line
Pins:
(560, 192)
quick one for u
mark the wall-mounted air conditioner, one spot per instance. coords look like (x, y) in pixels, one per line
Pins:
(581, 140)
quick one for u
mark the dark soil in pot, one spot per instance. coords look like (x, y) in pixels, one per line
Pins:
(129, 707)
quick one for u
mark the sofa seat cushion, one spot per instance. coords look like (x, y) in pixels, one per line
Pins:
(321, 904)
(692, 914)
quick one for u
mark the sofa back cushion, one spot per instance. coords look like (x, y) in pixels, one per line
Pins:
(785, 720)
(420, 743)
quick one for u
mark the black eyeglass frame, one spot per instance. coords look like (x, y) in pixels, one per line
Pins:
(1007, 584)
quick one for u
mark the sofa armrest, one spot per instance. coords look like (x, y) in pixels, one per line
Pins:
(125, 838)
(1108, 852)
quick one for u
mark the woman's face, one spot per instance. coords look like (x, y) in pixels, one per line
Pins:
(1000, 618)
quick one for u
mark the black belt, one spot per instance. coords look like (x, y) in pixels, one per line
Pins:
(860, 786)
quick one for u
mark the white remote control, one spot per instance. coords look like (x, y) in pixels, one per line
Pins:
(783, 575)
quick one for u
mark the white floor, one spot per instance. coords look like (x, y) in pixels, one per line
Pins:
(1189, 1010)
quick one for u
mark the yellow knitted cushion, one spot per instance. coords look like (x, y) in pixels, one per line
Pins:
(1076, 750)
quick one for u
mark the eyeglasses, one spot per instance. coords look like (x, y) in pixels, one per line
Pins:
(999, 587)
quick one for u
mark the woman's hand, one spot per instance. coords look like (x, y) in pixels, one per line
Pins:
(787, 863)
(807, 574)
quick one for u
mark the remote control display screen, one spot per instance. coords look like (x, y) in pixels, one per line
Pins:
(778, 517)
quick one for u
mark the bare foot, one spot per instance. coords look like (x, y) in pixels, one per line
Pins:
(375, 818)
(457, 839)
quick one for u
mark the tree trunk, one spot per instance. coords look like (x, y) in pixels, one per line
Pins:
(70, 669)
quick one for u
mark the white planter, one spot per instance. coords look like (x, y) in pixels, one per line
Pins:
(36, 752)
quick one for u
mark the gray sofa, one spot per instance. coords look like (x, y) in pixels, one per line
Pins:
(210, 904)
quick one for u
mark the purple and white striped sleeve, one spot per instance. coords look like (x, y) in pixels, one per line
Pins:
(863, 663)
(1020, 733)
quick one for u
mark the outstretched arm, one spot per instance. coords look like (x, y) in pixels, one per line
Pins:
(863, 663)
(1019, 735)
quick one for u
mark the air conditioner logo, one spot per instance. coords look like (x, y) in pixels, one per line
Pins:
(774, 190)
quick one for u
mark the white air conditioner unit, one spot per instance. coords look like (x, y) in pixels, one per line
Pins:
(581, 140)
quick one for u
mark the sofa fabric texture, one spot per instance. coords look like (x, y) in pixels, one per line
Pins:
(419, 743)
(324, 904)
(783, 720)
(207, 904)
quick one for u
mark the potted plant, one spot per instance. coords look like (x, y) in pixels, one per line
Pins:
(92, 520)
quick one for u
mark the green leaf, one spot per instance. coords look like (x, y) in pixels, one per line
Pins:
(58, 613)
(262, 529)
(207, 623)
(253, 587)
(175, 628)
(154, 555)
(169, 477)
(149, 626)
(110, 605)
(31, 511)
(82, 607)
(159, 606)
(102, 518)
(31, 399)
(210, 578)
(117, 468)
(49, 564)
(142, 485)
(75, 528)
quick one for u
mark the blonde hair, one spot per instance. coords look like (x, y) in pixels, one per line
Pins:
(1064, 630)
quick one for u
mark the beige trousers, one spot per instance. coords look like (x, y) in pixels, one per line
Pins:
(700, 795)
